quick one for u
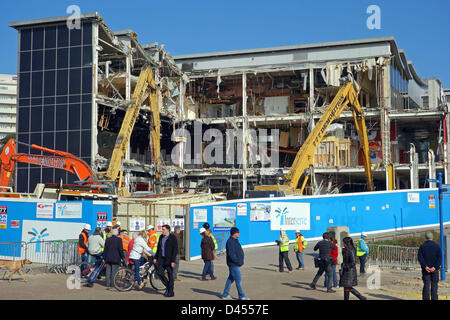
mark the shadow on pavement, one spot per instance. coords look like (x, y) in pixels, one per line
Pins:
(188, 274)
(211, 293)
(304, 298)
(266, 269)
(382, 296)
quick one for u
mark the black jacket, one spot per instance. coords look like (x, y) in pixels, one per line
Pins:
(235, 254)
(170, 249)
(324, 247)
(430, 255)
(113, 252)
(349, 276)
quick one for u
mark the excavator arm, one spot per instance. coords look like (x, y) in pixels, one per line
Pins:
(304, 158)
(145, 87)
(61, 160)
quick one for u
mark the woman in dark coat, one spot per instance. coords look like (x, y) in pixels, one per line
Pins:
(207, 246)
(349, 278)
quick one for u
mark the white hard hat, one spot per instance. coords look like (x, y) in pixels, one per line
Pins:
(297, 231)
(202, 230)
(109, 224)
(281, 229)
(87, 226)
(150, 227)
(118, 223)
(363, 234)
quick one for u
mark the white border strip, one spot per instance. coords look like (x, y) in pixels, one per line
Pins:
(309, 197)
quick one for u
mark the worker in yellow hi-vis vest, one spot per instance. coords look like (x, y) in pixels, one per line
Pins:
(283, 243)
(299, 246)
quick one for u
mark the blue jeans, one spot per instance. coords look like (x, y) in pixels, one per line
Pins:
(300, 259)
(234, 275)
(208, 268)
(84, 258)
(335, 279)
(137, 265)
(362, 261)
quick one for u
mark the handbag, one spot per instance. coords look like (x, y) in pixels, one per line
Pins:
(316, 262)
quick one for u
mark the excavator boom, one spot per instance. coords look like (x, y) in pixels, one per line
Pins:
(304, 158)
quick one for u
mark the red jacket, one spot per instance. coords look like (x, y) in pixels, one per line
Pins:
(334, 253)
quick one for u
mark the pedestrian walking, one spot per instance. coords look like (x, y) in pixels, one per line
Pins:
(82, 245)
(165, 257)
(348, 278)
(208, 231)
(136, 255)
(207, 246)
(430, 259)
(362, 251)
(334, 255)
(283, 254)
(178, 234)
(324, 261)
(113, 256)
(299, 246)
(235, 260)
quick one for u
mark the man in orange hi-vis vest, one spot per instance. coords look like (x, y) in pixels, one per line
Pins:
(153, 238)
(300, 244)
(82, 245)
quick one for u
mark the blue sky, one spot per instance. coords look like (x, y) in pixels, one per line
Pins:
(421, 28)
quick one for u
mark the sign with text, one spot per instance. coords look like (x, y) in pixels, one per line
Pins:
(44, 210)
(290, 216)
(200, 215)
(3, 217)
(68, 210)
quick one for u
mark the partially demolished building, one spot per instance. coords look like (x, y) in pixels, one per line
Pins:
(75, 85)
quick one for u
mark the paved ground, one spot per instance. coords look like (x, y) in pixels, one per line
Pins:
(260, 282)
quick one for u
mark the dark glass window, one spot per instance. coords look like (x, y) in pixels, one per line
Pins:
(23, 119)
(86, 97)
(87, 80)
(35, 178)
(61, 141)
(24, 85)
(75, 37)
(62, 58)
(49, 119)
(36, 119)
(60, 175)
(22, 180)
(50, 59)
(25, 39)
(47, 175)
(49, 83)
(25, 61)
(86, 116)
(38, 60)
(48, 140)
(24, 102)
(36, 101)
(74, 99)
(75, 57)
(36, 84)
(87, 33)
(61, 83)
(63, 36)
(49, 101)
(61, 118)
(75, 81)
(25, 138)
(85, 143)
(35, 138)
(50, 37)
(74, 143)
(61, 100)
(38, 38)
(74, 116)
(87, 56)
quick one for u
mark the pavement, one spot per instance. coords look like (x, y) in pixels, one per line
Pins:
(261, 281)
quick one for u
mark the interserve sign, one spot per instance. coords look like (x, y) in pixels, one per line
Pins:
(290, 216)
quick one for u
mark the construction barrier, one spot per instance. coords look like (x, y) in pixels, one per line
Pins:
(55, 255)
(387, 256)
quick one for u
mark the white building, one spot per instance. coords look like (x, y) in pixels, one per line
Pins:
(8, 104)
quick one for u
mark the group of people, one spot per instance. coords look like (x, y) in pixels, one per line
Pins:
(113, 247)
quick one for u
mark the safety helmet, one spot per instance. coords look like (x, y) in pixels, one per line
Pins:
(87, 226)
(202, 230)
(149, 227)
(109, 224)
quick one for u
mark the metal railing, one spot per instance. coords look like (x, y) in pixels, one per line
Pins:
(55, 255)
(393, 256)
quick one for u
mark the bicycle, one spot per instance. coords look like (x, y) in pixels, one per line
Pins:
(125, 278)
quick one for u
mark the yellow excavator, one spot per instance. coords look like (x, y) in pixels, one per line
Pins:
(346, 96)
(145, 88)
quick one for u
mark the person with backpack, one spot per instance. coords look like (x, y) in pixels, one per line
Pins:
(334, 255)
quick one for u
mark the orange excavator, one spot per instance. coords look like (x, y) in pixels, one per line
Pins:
(60, 160)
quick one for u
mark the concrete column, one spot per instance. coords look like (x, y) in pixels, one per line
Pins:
(244, 134)
(94, 112)
(385, 124)
(311, 89)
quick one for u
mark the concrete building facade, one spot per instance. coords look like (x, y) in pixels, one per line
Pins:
(8, 105)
